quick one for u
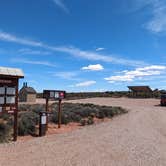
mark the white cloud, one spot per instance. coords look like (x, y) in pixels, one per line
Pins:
(66, 75)
(27, 51)
(158, 23)
(100, 49)
(89, 55)
(137, 73)
(61, 5)
(26, 61)
(157, 8)
(98, 57)
(85, 84)
(11, 38)
(96, 67)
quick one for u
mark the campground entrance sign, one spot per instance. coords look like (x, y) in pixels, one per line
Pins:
(9, 82)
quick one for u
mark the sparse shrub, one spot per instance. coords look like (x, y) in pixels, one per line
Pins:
(35, 108)
(92, 115)
(27, 123)
(5, 116)
(90, 121)
(83, 122)
(5, 132)
(64, 119)
(100, 115)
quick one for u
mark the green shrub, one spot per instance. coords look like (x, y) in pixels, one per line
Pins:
(92, 115)
(100, 115)
(27, 123)
(90, 121)
(5, 116)
(5, 132)
(83, 122)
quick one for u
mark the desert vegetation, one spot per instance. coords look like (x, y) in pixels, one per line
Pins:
(28, 118)
(81, 95)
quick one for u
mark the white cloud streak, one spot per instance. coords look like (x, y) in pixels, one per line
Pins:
(98, 57)
(67, 75)
(85, 84)
(27, 51)
(89, 55)
(158, 23)
(100, 49)
(138, 73)
(157, 8)
(96, 67)
(61, 5)
(26, 61)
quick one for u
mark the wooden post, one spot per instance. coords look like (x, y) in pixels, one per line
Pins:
(59, 114)
(16, 115)
(46, 113)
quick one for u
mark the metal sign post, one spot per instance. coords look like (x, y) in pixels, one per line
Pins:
(59, 114)
(47, 112)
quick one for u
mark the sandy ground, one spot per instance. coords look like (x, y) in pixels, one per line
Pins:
(134, 139)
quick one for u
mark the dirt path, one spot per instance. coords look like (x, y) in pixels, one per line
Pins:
(134, 139)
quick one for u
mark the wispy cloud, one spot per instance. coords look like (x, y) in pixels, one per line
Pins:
(89, 55)
(11, 38)
(100, 49)
(61, 5)
(67, 75)
(26, 61)
(96, 67)
(158, 23)
(27, 51)
(138, 73)
(99, 57)
(85, 84)
(157, 8)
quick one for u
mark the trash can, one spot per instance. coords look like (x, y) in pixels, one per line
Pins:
(43, 124)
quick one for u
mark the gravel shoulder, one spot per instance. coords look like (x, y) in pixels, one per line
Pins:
(134, 139)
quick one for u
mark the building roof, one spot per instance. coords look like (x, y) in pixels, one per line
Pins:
(12, 72)
(28, 90)
(140, 88)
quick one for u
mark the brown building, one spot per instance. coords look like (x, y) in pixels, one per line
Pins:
(140, 91)
(27, 94)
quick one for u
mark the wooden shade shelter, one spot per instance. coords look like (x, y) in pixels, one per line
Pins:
(138, 91)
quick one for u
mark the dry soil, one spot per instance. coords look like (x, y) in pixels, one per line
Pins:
(134, 139)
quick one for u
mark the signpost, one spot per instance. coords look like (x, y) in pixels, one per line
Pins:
(9, 82)
(55, 95)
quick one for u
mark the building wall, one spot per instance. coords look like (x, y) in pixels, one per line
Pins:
(31, 98)
(22, 97)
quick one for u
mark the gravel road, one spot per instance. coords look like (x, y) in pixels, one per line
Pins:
(134, 139)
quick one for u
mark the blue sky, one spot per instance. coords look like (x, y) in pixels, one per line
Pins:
(85, 45)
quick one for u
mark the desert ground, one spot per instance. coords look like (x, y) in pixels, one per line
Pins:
(134, 139)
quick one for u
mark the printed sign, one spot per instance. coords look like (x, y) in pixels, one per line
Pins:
(2, 90)
(2, 100)
(43, 119)
(5, 81)
(11, 91)
(10, 100)
(54, 94)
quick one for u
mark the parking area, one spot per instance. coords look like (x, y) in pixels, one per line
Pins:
(134, 139)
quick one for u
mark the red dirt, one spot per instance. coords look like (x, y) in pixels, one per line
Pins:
(53, 128)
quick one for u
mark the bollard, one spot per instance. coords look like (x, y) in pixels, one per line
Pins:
(43, 124)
